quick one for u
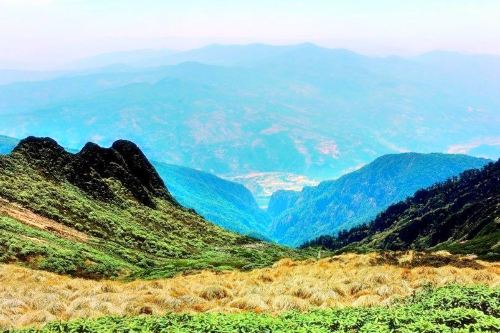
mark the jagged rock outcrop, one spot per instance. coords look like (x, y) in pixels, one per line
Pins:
(88, 169)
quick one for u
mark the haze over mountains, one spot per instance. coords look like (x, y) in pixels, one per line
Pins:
(344, 177)
(236, 110)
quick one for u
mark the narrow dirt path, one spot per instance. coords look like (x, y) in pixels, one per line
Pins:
(30, 218)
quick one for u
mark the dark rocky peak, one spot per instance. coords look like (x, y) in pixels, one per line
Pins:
(40, 148)
(125, 162)
(140, 166)
(45, 153)
(89, 168)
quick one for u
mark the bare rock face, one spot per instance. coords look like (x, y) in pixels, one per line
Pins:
(88, 169)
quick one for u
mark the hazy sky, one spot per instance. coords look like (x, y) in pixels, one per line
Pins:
(51, 32)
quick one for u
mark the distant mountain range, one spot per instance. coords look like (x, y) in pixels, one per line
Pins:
(239, 110)
(105, 212)
(358, 196)
(461, 215)
(134, 58)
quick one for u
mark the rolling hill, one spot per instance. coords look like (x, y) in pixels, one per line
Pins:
(358, 196)
(105, 212)
(461, 215)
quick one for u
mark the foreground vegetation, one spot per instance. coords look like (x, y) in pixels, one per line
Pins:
(448, 309)
(29, 297)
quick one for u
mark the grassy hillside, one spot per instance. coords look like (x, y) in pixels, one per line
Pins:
(461, 215)
(225, 203)
(36, 297)
(130, 223)
(358, 196)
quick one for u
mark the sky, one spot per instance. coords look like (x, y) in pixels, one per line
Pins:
(49, 33)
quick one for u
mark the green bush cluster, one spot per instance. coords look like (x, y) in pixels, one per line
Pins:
(447, 309)
(40, 249)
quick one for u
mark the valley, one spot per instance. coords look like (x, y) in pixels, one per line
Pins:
(225, 203)
(264, 184)
(95, 239)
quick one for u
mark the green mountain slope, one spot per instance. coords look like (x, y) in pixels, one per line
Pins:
(225, 203)
(358, 196)
(105, 212)
(7, 144)
(461, 215)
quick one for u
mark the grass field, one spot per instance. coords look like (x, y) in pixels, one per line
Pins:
(442, 310)
(34, 298)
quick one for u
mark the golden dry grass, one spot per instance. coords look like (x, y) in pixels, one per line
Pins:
(30, 297)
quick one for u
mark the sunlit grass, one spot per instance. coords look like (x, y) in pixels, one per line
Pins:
(30, 297)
